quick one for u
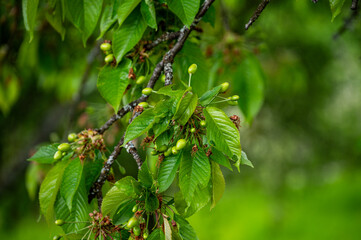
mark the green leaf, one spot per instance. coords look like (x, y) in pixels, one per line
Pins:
(78, 216)
(208, 96)
(31, 179)
(112, 82)
(157, 235)
(30, 10)
(148, 12)
(140, 125)
(55, 19)
(218, 184)
(144, 176)
(122, 191)
(186, 10)
(222, 131)
(128, 34)
(124, 8)
(185, 108)
(201, 198)
(220, 158)
(185, 229)
(124, 212)
(107, 20)
(193, 171)
(151, 202)
(84, 14)
(249, 84)
(45, 154)
(167, 229)
(92, 171)
(210, 16)
(161, 127)
(71, 180)
(243, 160)
(49, 189)
(336, 7)
(167, 171)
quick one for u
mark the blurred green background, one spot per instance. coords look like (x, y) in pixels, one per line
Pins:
(305, 142)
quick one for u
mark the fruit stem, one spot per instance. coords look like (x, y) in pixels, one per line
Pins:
(190, 78)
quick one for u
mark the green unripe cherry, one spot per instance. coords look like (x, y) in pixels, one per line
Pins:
(168, 152)
(135, 208)
(122, 170)
(162, 148)
(132, 222)
(136, 231)
(143, 104)
(56, 237)
(225, 86)
(233, 103)
(235, 97)
(193, 130)
(147, 91)
(145, 235)
(192, 68)
(162, 78)
(174, 150)
(203, 123)
(140, 80)
(64, 147)
(59, 222)
(105, 46)
(72, 137)
(181, 143)
(58, 155)
(154, 152)
(109, 58)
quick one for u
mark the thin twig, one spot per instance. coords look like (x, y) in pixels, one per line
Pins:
(257, 13)
(165, 37)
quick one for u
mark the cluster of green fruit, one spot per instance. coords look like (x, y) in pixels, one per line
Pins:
(137, 223)
(107, 49)
(65, 147)
(167, 151)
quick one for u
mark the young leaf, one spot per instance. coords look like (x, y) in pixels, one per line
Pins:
(168, 170)
(167, 229)
(243, 160)
(30, 10)
(185, 229)
(144, 176)
(78, 216)
(185, 108)
(124, 8)
(222, 131)
(128, 34)
(112, 82)
(122, 191)
(220, 158)
(250, 87)
(208, 96)
(45, 154)
(54, 17)
(193, 171)
(148, 12)
(151, 202)
(186, 10)
(336, 7)
(71, 180)
(218, 184)
(49, 189)
(107, 20)
(140, 125)
(157, 235)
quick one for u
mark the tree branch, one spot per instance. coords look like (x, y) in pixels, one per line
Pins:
(165, 37)
(257, 13)
(168, 58)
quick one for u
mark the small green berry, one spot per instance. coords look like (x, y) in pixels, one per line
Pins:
(143, 104)
(58, 155)
(132, 222)
(163, 148)
(233, 103)
(192, 68)
(136, 231)
(174, 150)
(135, 208)
(64, 147)
(203, 123)
(140, 80)
(168, 152)
(235, 97)
(122, 170)
(147, 91)
(105, 46)
(193, 130)
(72, 137)
(109, 58)
(162, 78)
(59, 222)
(56, 237)
(181, 143)
(145, 235)
(225, 86)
